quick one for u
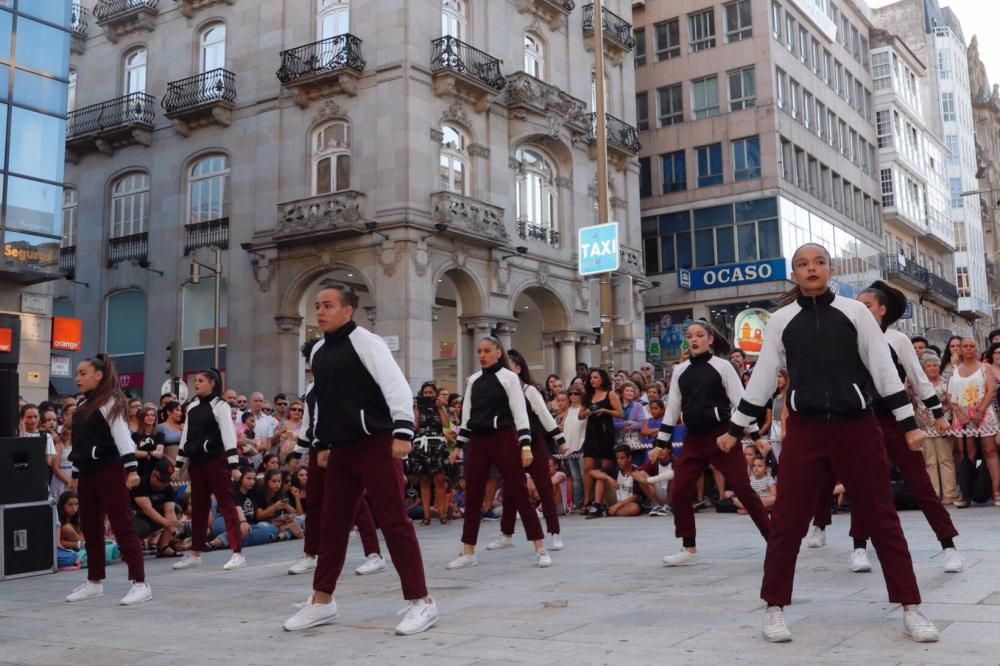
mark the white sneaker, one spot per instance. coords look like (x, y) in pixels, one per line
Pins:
(86, 591)
(188, 561)
(544, 559)
(858, 561)
(682, 559)
(304, 564)
(952, 561)
(237, 561)
(420, 616)
(504, 541)
(463, 561)
(918, 627)
(557, 542)
(775, 629)
(312, 615)
(818, 539)
(138, 593)
(373, 564)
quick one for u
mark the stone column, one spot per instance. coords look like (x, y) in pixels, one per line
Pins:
(567, 355)
(284, 356)
(584, 353)
(475, 329)
(549, 352)
(505, 333)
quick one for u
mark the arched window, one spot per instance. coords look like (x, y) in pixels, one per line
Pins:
(331, 157)
(71, 203)
(333, 18)
(135, 71)
(536, 190)
(71, 92)
(454, 161)
(534, 56)
(129, 204)
(212, 45)
(453, 18)
(208, 180)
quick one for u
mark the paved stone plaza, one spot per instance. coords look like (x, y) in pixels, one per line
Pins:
(607, 599)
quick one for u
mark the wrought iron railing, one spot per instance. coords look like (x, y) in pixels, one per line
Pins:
(537, 232)
(108, 10)
(891, 265)
(67, 260)
(939, 285)
(615, 26)
(210, 233)
(128, 248)
(455, 55)
(128, 110)
(618, 132)
(326, 55)
(211, 87)
(78, 21)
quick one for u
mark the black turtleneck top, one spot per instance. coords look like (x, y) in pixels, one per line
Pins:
(704, 391)
(494, 401)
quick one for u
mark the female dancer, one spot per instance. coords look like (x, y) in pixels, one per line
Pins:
(209, 440)
(972, 388)
(494, 419)
(601, 407)
(831, 347)
(542, 424)
(429, 456)
(887, 305)
(704, 391)
(104, 470)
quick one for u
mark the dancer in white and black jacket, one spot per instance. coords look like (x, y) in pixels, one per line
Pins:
(104, 470)
(542, 426)
(494, 428)
(208, 441)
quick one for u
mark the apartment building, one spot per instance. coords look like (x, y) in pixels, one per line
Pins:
(438, 155)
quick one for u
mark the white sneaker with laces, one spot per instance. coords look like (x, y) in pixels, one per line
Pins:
(858, 561)
(505, 541)
(373, 564)
(557, 542)
(137, 594)
(420, 616)
(87, 590)
(304, 564)
(775, 629)
(818, 538)
(463, 561)
(544, 559)
(952, 561)
(312, 615)
(189, 560)
(918, 627)
(237, 561)
(681, 559)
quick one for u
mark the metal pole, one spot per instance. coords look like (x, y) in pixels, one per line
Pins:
(218, 286)
(601, 131)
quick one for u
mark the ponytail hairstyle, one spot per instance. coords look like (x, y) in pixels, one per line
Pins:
(720, 346)
(524, 374)
(108, 389)
(495, 341)
(214, 376)
(892, 299)
(795, 292)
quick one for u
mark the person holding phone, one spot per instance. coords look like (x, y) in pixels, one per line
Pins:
(429, 457)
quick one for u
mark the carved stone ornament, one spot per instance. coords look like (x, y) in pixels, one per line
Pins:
(469, 215)
(619, 203)
(389, 256)
(459, 258)
(564, 182)
(437, 136)
(456, 113)
(478, 150)
(322, 214)
(421, 258)
(288, 323)
(329, 111)
(501, 274)
(631, 261)
(543, 274)
(582, 294)
(263, 273)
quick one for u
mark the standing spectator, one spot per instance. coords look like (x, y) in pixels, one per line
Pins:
(938, 446)
(919, 344)
(971, 391)
(170, 428)
(153, 500)
(49, 421)
(582, 372)
(553, 386)
(134, 406)
(62, 468)
(230, 397)
(429, 456)
(952, 357)
(281, 405)
(574, 428)
(738, 357)
(148, 442)
(648, 374)
(266, 424)
(31, 427)
(627, 427)
(600, 407)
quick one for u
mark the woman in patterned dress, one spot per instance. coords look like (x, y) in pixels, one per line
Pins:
(429, 456)
(971, 388)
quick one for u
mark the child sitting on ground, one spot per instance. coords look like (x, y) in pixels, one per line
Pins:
(653, 478)
(763, 484)
(626, 494)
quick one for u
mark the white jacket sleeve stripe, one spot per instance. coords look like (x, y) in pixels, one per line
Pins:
(377, 358)
(515, 399)
(673, 406)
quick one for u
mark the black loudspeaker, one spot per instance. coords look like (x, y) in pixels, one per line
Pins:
(24, 476)
(27, 539)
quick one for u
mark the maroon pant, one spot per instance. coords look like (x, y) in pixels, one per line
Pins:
(539, 471)
(501, 450)
(824, 504)
(350, 470)
(314, 512)
(811, 451)
(103, 493)
(208, 478)
(700, 451)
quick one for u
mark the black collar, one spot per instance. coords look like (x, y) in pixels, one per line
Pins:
(812, 301)
(701, 358)
(341, 333)
(493, 369)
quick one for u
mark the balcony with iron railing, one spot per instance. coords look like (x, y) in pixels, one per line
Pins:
(618, 36)
(905, 271)
(532, 99)
(552, 12)
(210, 233)
(536, 232)
(134, 247)
(78, 25)
(622, 139)
(67, 261)
(122, 17)
(110, 125)
(465, 71)
(204, 99)
(942, 292)
(329, 66)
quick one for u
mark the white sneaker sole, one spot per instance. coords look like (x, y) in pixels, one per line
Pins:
(359, 572)
(779, 638)
(921, 639)
(449, 567)
(315, 623)
(234, 567)
(292, 571)
(499, 546)
(87, 598)
(418, 631)
(861, 569)
(685, 563)
(136, 602)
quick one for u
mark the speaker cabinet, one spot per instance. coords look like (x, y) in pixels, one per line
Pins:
(24, 477)
(27, 539)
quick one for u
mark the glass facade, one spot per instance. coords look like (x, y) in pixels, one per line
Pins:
(34, 80)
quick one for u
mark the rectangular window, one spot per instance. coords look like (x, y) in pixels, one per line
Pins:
(642, 111)
(951, 143)
(955, 186)
(781, 81)
(667, 38)
(807, 110)
(800, 168)
(881, 70)
(804, 46)
(785, 157)
(944, 64)
(776, 20)
(746, 158)
(962, 278)
(855, 43)
(701, 30)
(888, 193)
(791, 33)
(674, 168)
(824, 183)
(817, 62)
(795, 98)
(812, 176)
(848, 201)
(739, 22)
(670, 105)
(838, 193)
(827, 69)
(948, 107)
(705, 97)
(849, 89)
(859, 97)
(838, 75)
(639, 52)
(844, 140)
(853, 147)
(645, 178)
(742, 89)
(709, 165)
(831, 127)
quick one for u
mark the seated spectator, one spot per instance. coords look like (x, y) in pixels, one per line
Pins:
(153, 501)
(273, 506)
(268, 462)
(300, 483)
(245, 497)
(557, 477)
(763, 484)
(653, 478)
(293, 463)
(627, 499)
(750, 454)
(70, 552)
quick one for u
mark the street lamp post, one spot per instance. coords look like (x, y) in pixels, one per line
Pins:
(216, 270)
(601, 132)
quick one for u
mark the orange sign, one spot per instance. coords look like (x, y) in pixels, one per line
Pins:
(6, 340)
(67, 333)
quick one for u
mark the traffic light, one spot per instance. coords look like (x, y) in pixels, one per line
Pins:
(174, 359)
